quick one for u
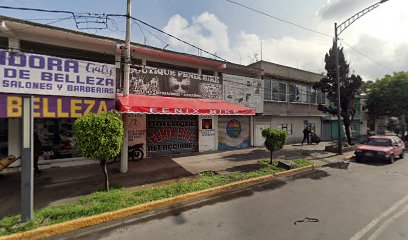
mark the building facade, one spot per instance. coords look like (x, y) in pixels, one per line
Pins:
(65, 83)
(290, 103)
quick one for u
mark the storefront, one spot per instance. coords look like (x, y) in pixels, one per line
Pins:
(62, 90)
(181, 125)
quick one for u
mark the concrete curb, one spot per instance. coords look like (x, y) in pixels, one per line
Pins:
(56, 229)
(348, 158)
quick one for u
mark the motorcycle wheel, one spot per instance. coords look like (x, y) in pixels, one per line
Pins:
(136, 155)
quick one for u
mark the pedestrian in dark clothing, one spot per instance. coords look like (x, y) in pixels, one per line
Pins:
(306, 134)
(37, 153)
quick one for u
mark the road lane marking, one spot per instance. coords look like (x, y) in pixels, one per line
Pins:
(383, 226)
(383, 215)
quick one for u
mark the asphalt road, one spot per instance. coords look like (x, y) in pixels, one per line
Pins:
(341, 201)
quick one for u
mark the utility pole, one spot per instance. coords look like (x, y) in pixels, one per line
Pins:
(336, 55)
(125, 145)
(337, 31)
(27, 160)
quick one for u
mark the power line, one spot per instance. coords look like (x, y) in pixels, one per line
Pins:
(56, 20)
(279, 19)
(179, 39)
(95, 19)
(364, 55)
(308, 29)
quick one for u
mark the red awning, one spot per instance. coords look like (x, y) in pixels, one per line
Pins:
(180, 106)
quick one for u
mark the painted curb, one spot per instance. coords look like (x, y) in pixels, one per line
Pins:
(56, 229)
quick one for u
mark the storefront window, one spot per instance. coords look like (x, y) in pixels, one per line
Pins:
(3, 137)
(56, 137)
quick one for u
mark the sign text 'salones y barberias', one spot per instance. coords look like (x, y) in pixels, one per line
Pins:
(25, 73)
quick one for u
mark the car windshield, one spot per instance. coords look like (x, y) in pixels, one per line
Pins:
(379, 142)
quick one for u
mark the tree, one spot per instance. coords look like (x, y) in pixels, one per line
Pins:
(99, 136)
(274, 139)
(349, 87)
(388, 97)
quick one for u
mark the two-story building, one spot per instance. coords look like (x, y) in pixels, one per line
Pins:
(290, 103)
(176, 102)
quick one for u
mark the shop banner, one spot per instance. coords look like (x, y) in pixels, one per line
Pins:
(36, 74)
(136, 129)
(145, 80)
(233, 132)
(167, 134)
(247, 92)
(54, 107)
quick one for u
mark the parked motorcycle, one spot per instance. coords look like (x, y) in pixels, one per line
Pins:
(135, 153)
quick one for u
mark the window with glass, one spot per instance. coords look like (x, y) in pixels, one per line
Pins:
(321, 97)
(275, 91)
(287, 127)
(267, 89)
(56, 138)
(313, 94)
(294, 93)
(3, 137)
(299, 93)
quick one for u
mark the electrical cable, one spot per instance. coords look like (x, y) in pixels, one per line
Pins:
(364, 55)
(279, 19)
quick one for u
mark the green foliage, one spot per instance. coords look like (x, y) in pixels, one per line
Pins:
(99, 136)
(100, 202)
(301, 163)
(350, 86)
(388, 97)
(274, 139)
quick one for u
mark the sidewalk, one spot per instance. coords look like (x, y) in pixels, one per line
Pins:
(57, 184)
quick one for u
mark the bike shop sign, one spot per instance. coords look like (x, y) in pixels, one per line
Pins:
(26, 73)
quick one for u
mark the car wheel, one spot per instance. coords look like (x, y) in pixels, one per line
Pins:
(391, 160)
(357, 158)
(401, 156)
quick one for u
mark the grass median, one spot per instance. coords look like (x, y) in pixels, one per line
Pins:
(100, 202)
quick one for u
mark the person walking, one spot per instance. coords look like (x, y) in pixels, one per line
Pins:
(306, 135)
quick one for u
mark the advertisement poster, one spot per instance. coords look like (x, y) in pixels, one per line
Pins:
(207, 127)
(168, 134)
(244, 91)
(233, 132)
(147, 80)
(26, 73)
(53, 106)
(137, 129)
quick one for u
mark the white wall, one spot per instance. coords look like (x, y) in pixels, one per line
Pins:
(297, 127)
(207, 138)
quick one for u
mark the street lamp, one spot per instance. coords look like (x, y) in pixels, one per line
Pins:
(338, 29)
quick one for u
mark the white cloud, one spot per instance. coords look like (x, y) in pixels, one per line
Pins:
(206, 31)
(388, 48)
(338, 9)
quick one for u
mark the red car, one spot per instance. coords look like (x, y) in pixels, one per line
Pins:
(381, 147)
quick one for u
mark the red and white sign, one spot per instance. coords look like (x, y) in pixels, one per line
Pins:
(179, 106)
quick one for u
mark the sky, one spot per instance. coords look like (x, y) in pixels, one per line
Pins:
(374, 45)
